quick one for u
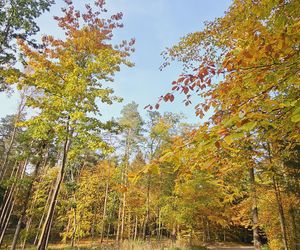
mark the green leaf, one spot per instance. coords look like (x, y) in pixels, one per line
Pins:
(230, 138)
(248, 126)
(296, 115)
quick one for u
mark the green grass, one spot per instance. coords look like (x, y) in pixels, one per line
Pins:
(265, 247)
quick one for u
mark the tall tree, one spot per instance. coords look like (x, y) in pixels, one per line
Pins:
(132, 125)
(68, 77)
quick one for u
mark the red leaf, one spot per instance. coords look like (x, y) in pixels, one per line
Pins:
(185, 90)
(171, 98)
(180, 79)
(186, 81)
(166, 97)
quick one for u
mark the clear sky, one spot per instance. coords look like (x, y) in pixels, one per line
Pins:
(155, 24)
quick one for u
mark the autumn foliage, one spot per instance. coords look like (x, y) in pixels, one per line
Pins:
(68, 175)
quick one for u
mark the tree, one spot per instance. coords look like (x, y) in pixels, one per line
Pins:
(132, 126)
(68, 77)
(17, 21)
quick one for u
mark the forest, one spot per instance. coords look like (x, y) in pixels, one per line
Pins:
(71, 180)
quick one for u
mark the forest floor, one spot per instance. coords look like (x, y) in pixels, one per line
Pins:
(153, 245)
(140, 245)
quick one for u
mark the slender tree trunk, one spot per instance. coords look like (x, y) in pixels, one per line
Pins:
(135, 228)
(6, 223)
(17, 232)
(208, 231)
(173, 235)
(129, 225)
(48, 236)
(10, 205)
(295, 229)
(10, 202)
(159, 209)
(7, 153)
(43, 216)
(204, 230)
(108, 231)
(119, 225)
(74, 229)
(279, 203)
(12, 174)
(148, 207)
(123, 217)
(8, 194)
(28, 223)
(105, 208)
(281, 214)
(256, 240)
(93, 222)
(26, 201)
(45, 233)
(12, 139)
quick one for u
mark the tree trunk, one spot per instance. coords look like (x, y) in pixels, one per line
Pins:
(147, 208)
(159, 225)
(123, 217)
(104, 208)
(256, 240)
(208, 231)
(42, 218)
(12, 139)
(8, 195)
(17, 232)
(173, 235)
(7, 153)
(74, 229)
(281, 214)
(135, 228)
(10, 202)
(295, 229)
(26, 201)
(119, 225)
(129, 225)
(43, 240)
(28, 223)
(108, 231)
(6, 224)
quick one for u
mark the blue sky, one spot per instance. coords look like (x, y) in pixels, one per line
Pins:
(155, 24)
